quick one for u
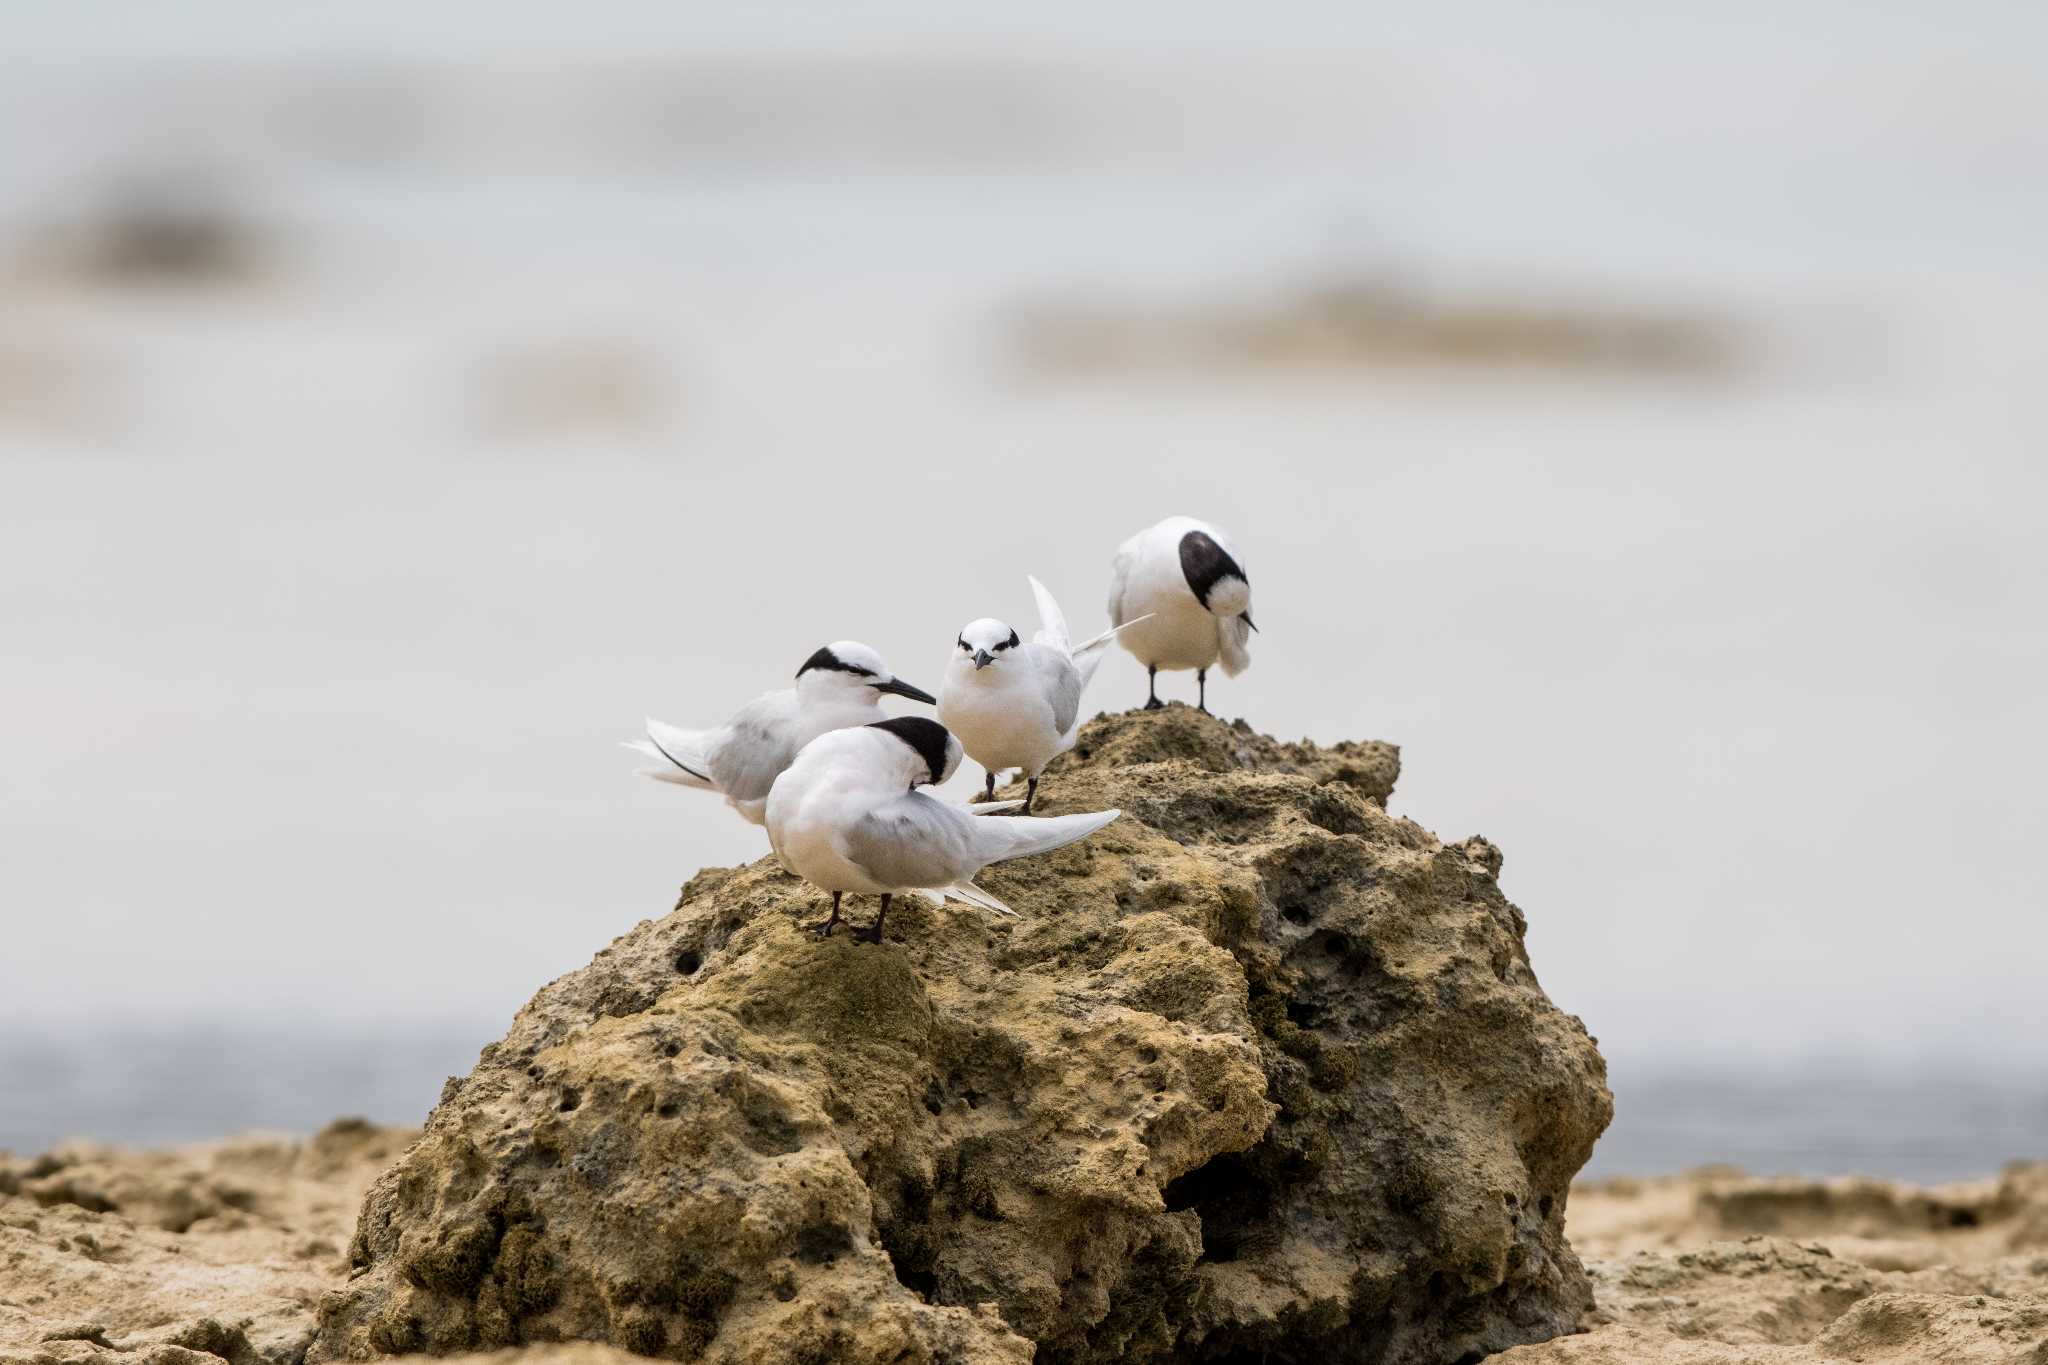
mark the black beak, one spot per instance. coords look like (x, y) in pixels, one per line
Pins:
(1248, 619)
(982, 658)
(896, 687)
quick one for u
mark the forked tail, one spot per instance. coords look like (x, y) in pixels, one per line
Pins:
(999, 838)
(1088, 655)
(677, 754)
(1052, 622)
(964, 890)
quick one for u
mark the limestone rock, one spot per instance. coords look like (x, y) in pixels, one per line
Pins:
(1260, 1067)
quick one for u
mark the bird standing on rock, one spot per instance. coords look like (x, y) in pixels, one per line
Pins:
(1018, 705)
(846, 816)
(840, 685)
(1188, 579)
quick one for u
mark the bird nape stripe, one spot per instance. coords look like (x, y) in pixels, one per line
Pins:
(927, 737)
(1205, 564)
(826, 659)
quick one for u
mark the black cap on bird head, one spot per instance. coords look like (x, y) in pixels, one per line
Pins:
(1217, 580)
(862, 664)
(931, 741)
(857, 662)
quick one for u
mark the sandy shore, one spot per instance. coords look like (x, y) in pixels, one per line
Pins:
(222, 1251)
(1716, 1268)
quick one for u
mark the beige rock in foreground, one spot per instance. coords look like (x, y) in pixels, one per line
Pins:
(1261, 1069)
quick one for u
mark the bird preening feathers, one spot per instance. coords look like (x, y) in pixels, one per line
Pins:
(1188, 579)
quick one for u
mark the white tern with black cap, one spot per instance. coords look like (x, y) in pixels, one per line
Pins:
(840, 685)
(1017, 704)
(1182, 589)
(847, 817)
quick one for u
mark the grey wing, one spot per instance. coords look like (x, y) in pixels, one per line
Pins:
(914, 840)
(1063, 691)
(1120, 580)
(754, 748)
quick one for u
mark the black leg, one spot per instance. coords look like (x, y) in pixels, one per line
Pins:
(873, 933)
(988, 786)
(1152, 702)
(1030, 795)
(825, 930)
(1202, 690)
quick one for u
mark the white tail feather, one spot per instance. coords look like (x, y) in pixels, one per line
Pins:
(974, 895)
(1019, 836)
(681, 750)
(1052, 628)
(1233, 645)
(1089, 654)
(1095, 644)
(667, 772)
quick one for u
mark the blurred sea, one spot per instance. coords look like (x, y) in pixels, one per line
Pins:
(369, 416)
(166, 1086)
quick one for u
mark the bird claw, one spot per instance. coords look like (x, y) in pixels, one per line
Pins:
(1155, 705)
(823, 929)
(871, 934)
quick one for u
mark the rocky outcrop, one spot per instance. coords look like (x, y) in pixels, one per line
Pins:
(1260, 1069)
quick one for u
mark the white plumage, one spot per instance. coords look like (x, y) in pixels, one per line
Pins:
(840, 685)
(846, 817)
(1014, 704)
(1181, 591)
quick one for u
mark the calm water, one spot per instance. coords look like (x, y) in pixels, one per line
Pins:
(157, 1087)
(321, 631)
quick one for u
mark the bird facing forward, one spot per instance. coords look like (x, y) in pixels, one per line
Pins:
(1014, 704)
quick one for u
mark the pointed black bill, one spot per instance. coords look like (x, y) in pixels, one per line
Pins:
(1247, 618)
(896, 687)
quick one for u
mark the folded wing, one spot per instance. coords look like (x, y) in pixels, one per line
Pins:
(914, 840)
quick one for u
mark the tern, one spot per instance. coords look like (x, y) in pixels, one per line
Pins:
(840, 685)
(846, 816)
(1018, 705)
(1187, 578)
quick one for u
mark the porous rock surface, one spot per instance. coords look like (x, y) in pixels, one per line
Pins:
(1260, 1070)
